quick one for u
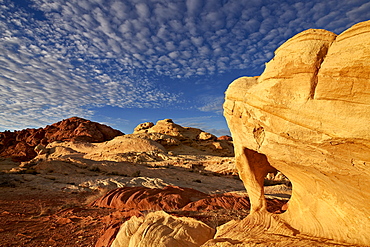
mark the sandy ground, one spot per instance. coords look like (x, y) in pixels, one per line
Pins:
(46, 203)
(51, 208)
(40, 218)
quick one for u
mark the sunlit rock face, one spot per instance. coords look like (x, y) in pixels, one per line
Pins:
(161, 229)
(19, 145)
(308, 116)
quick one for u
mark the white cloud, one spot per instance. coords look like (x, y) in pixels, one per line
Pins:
(82, 53)
(211, 103)
(143, 10)
(211, 124)
(193, 6)
(357, 13)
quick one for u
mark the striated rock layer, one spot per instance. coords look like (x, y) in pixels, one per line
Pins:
(141, 198)
(137, 201)
(19, 145)
(308, 116)
(159, 229)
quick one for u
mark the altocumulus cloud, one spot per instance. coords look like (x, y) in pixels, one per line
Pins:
(61, 58)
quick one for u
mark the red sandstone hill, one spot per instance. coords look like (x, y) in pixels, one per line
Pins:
(19, 145)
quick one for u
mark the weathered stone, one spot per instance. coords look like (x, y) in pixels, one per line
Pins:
(225, 138)
(19, 145)
(184, 140)
(308, 116)
(143, 126)
(159, 229)
(141, 198)
(206, 136)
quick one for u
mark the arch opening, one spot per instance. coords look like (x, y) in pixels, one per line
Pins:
(268, 189)
(278, 186)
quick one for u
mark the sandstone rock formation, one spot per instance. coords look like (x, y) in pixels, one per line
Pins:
(231, 201)
(153, 160)
(184, 140)
(226, 138)
(159, 229)
(210, 209)
(203, 153)
(19, 145)
(141, 198)
(172, 142)
(308, 116)
(172, 198)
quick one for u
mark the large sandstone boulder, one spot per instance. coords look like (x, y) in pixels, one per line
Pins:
(159, 229)
(308, 116)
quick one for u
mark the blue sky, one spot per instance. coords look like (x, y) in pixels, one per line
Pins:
(124, 62)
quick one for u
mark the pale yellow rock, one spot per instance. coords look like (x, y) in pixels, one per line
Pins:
(143, 126)
(345, 72)
(168, 127)
(127, 148)
(184, 140)
(159, 229)
(203, 136)
(126, 144)
(165, 126)
(308, 116)
(40, 149)
(291, 76)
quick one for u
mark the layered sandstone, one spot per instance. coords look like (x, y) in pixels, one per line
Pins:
(308, 116)
(141, 198)
(214, 209)
(161, 229)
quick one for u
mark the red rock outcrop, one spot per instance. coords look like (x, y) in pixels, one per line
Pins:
(19, 145)
(142, 198)
(225, 138)
(176, 198)
(215, 202)
(231, 202)
(136, 199)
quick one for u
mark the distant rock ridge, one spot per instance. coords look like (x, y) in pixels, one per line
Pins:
(308, 116)
(184, 139)
(168, 127)
(19, 145)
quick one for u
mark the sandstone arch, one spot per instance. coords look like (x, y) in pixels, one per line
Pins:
(309, 114)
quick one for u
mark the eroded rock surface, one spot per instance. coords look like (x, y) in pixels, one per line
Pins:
(160, 229)
(173, 145)
(214, 209)
(141, 198)
(185, 140)
(308, 116)
(150, 159)
(19, 145)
